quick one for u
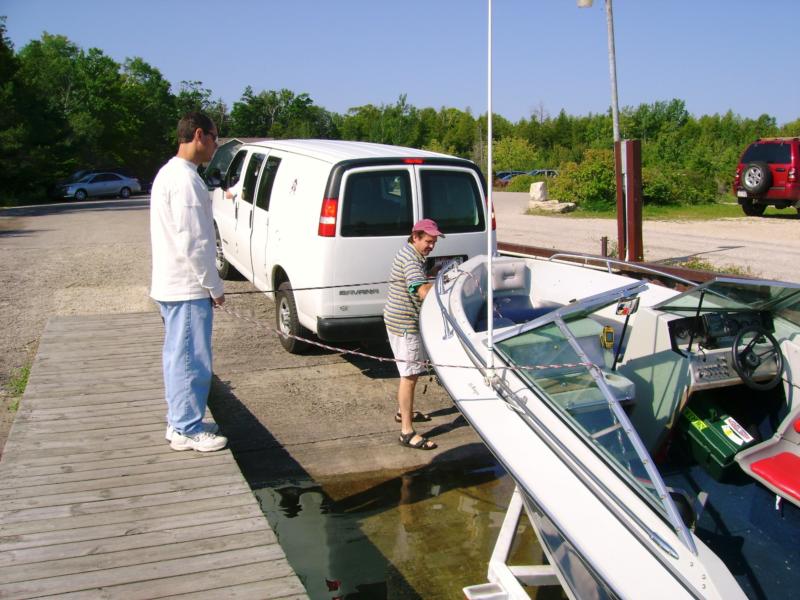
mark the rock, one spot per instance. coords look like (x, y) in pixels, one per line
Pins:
(551, 206)
(538, 191)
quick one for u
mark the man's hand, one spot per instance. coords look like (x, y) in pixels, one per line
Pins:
(218, 301)
(423, 290)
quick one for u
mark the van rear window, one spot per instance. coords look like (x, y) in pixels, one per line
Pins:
(768, 153)
(377, 203)
(451, 198)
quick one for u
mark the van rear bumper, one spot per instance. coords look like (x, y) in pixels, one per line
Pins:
(351, 329)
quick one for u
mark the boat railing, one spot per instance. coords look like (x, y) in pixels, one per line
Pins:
(452, 273)
(449, 325)
(620, 265)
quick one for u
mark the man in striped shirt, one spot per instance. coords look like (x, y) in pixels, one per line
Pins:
(407, 290)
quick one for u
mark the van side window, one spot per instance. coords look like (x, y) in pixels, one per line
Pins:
(265, 183)
(377, 203)
(250, 176)
(451, 198)
(235, 169)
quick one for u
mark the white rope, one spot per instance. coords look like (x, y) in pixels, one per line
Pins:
(424, 363)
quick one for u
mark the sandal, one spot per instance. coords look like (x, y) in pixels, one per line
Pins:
(417, 417)
(423, 444)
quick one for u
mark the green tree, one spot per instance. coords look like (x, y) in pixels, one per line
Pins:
(280, 114)
(513, 153)
(149, 127)
(591, 184)
(398, 124)
(33, 130)
(85, 89)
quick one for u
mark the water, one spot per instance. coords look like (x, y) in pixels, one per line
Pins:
(423, 534)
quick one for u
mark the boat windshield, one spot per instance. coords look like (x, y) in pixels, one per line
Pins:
(738, 294)
(572, 372)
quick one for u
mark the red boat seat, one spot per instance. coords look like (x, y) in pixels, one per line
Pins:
(782, 471)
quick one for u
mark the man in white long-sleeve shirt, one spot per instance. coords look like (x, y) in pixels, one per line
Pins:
(185, 283)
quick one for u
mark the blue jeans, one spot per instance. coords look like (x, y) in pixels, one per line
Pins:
(186, 361)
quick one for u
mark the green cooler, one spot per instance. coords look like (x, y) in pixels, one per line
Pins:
(713, 437)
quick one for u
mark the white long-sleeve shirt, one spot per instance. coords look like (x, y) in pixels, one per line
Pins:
(182, 235)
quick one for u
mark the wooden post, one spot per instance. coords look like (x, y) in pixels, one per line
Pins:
(622, 219)
(633, 199)
(628, 169)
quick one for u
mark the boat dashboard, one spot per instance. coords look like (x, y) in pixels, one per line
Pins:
(707, 341)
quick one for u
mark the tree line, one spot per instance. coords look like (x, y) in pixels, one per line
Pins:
(63, 108)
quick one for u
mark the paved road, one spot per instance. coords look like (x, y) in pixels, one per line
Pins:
(767, 247)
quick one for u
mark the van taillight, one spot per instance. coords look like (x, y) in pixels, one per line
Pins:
(792, 175)
(327, 217)
(413, 161)
(494, 221)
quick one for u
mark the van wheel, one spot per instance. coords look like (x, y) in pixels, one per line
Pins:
(286, 320)
(753, 209)
(225, 269)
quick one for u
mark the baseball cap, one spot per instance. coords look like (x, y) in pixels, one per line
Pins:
(428, 226)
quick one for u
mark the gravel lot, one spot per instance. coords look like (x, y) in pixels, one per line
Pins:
(94, 258)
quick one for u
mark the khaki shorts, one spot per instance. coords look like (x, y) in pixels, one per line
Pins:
(408, 347)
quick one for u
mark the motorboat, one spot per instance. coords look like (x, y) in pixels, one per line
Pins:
(651, 424)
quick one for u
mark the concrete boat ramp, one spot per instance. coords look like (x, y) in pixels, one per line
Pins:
(94, 504)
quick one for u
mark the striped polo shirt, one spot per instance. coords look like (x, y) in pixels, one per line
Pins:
(401, 312)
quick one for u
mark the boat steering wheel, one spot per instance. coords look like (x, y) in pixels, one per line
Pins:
(746, 359)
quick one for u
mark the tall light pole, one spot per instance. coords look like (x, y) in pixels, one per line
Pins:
(612, 63)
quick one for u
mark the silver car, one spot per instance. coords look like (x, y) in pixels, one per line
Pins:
(101, 184)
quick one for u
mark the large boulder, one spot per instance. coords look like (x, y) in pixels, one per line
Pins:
(540, 201)
(539, 191)
(551, 206)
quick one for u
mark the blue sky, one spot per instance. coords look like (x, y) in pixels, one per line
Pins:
(715, 55)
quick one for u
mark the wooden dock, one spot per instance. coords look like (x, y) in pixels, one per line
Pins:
(94, 504)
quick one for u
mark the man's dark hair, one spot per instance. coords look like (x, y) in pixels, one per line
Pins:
(190, 123)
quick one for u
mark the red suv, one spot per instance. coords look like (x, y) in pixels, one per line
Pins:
(767, 175)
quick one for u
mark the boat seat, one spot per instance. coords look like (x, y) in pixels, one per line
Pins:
(782, 471)
(518, 308)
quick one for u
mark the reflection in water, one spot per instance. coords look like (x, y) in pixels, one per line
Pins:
(423, 534)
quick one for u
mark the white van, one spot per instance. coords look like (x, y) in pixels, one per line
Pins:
(317, 223)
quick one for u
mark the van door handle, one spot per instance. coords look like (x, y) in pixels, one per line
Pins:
(780, 170)
(251, 219)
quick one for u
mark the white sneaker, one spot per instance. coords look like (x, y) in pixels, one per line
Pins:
(202, 442)
(209, 427)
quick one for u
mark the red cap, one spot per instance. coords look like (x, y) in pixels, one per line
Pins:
(428, 226)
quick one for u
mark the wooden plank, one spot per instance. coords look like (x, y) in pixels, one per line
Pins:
(189, 470)
(120, 492)
(273, 589)
(152, 574)
(109, 553)
(13, 531)
(79, 457)
(274, 584)
(125, 470)
(64, 400)
(87, 508)
(93, 503)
